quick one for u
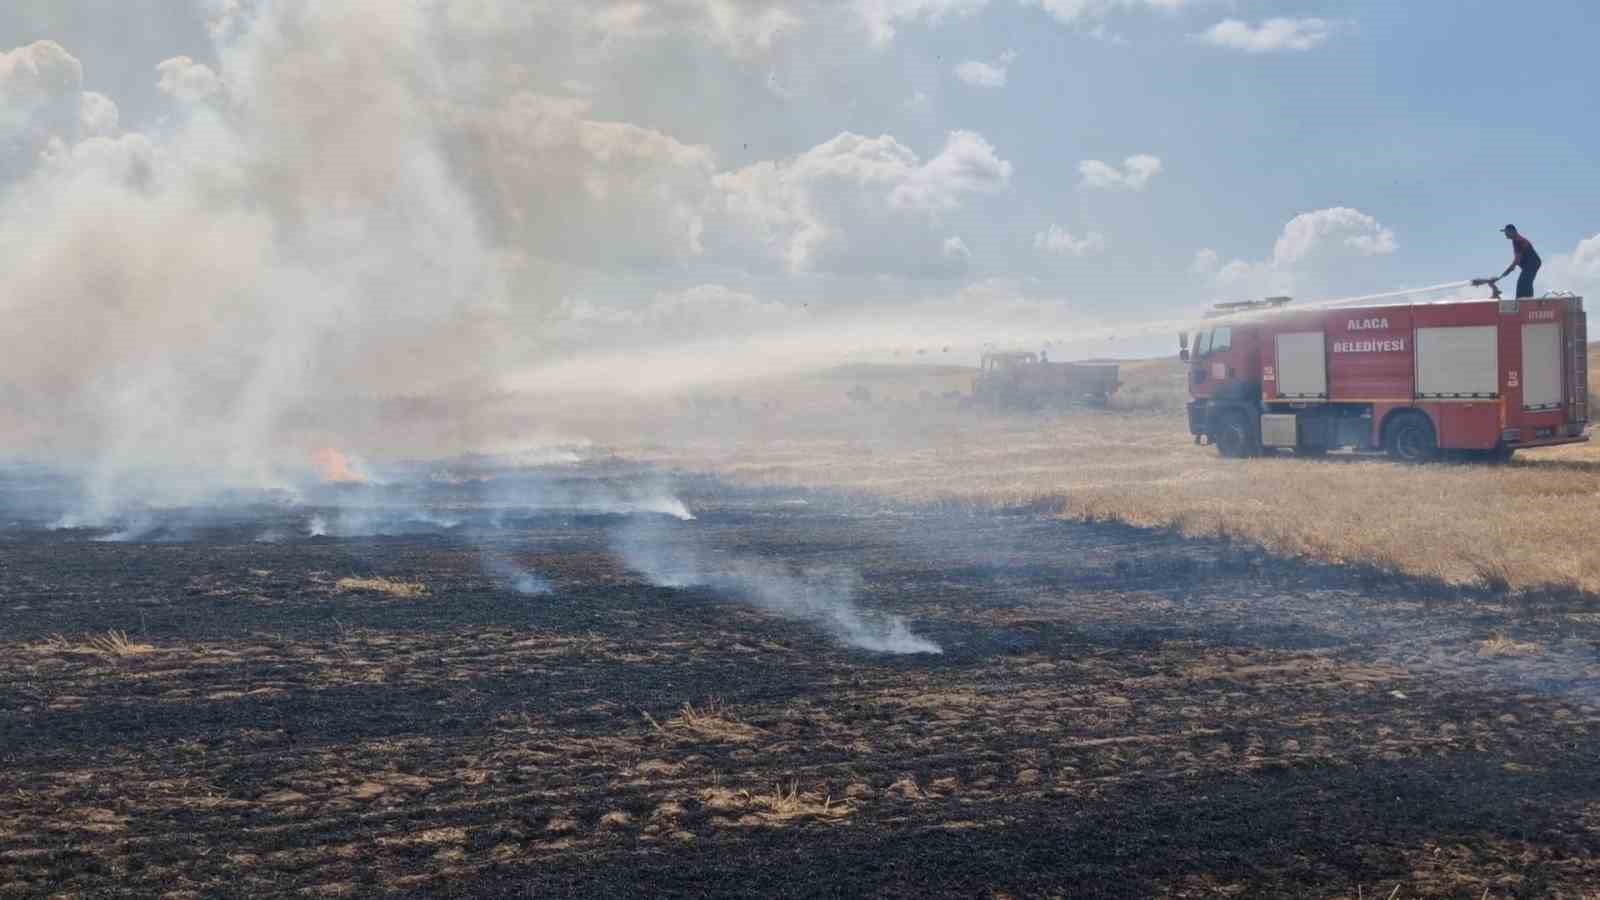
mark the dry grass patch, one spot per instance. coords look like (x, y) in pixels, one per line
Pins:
(114, 644)
(403, 590)
(781, 803)
(1500, 645)
(710, 720)
(791, 803)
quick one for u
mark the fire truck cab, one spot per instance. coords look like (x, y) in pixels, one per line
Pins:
(1486, 376)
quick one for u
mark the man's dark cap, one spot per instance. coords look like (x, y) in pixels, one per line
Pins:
(1508, 228)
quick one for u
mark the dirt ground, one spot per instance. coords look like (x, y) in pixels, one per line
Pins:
(233, 707)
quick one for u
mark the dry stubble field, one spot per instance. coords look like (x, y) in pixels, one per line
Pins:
(231, 704)
(1527, 526)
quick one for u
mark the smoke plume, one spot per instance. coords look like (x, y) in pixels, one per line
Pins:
(822, 596)
(185, 309)
(502, 568)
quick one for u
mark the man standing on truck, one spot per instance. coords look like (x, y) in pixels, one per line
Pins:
(1526, 257)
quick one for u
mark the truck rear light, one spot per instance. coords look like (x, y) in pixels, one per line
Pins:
(1511, 435)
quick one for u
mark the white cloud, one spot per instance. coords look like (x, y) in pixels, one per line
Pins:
(1311, 244)
(1317, 232)
(1270, 36)
(620, 20)
(187, 80)
(38, 74)
(1062, 243)
(129, 159)
(1071, 12)
(1206, 262)
(42, 103)
(986, 75)
(224, 17)
(1106, 35)
(856, 203)
(882, 17)
(981, 74)
(1578, 271)
(1136, 172)
(956, 248)
(97, 115)
(743, 28)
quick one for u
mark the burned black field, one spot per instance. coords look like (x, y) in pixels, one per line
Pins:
(580, 696)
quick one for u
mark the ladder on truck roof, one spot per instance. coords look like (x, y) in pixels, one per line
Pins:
(1220, 310)
(1237, 306)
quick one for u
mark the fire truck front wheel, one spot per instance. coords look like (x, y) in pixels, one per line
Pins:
(1411, 438)
(1235, 436)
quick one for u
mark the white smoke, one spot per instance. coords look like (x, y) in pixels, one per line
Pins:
(663, 504)
(517, 577)
(363, 521)
(183, 307)
(138, 528)
(822, 596)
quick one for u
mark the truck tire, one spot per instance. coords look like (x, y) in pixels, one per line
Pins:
(1235, 435)
(1410, 438)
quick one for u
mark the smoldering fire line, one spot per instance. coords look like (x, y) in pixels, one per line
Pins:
(678, 557)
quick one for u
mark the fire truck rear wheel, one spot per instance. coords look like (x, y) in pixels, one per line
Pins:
(1411, 438)
(1234, 437)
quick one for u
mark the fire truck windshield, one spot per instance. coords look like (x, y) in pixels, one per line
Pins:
(1221, 339)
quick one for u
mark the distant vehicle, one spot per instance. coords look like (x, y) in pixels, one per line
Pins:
(1487, 376)
(1024, 381)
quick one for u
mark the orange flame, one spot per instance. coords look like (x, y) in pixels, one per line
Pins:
(334, 466)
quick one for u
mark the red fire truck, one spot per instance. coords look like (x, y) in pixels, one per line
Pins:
(1486, 376)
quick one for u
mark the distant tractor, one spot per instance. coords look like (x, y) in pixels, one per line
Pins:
(1025, 381)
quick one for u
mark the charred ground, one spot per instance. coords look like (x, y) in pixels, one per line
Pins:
(1116, 712)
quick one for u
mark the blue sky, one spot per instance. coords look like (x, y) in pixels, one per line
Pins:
(1441, 120)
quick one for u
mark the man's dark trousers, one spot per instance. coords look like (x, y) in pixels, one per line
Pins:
(1525, 282)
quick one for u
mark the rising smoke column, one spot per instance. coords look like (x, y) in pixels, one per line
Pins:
(289, 244)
